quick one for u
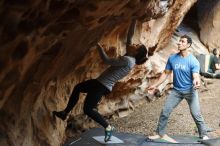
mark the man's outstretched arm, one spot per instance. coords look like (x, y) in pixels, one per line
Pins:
(161, 79)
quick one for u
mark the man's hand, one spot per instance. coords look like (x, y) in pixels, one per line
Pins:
(196, 84)
(196, 80)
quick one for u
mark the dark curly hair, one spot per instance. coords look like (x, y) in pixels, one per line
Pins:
(189, 40)
(141, 56)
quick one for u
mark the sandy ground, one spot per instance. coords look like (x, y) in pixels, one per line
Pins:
(143, 120)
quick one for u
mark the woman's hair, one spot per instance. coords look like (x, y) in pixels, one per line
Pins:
(214, 51)
(141, 56)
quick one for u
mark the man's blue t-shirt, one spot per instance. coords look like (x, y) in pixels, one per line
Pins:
(183, 69)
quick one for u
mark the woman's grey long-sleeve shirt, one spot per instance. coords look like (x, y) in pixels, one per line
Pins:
(119, 68)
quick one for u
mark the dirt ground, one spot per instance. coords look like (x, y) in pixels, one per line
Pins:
(143, 120)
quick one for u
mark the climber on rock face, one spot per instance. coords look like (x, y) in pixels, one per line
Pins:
(102, 85)
(186, 80)
(96, 88)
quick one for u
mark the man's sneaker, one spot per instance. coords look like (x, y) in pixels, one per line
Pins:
(62, 114)
(108, 133)
(205, 137)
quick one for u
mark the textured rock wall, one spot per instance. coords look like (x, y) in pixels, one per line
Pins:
(209, 23)
(46, 47)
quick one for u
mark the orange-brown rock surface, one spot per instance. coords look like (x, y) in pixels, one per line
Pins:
(47, 46)
(209, 23)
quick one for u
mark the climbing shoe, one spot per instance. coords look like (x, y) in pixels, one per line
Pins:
(108, 133)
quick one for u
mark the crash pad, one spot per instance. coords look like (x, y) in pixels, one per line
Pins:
(114, 140)
(212, 142)
(183, 140)
(88, 138)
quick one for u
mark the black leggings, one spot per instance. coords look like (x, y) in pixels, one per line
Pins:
(95, 90)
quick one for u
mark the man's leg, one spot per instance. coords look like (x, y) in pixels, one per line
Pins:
(173, 99)
(193, 101)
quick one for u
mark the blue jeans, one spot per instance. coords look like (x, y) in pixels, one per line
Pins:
(173, 99)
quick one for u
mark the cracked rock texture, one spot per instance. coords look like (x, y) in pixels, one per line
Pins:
(209, 23)
(47, 47)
